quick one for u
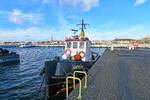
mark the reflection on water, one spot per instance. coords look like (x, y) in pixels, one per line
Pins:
(15, 78)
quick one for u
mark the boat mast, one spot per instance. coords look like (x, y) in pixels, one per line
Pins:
(83, 26)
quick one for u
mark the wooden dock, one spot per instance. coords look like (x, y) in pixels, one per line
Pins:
(118, 75)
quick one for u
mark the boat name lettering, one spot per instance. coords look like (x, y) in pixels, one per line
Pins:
(77, 67)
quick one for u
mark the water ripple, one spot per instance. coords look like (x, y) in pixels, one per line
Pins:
(26, 74)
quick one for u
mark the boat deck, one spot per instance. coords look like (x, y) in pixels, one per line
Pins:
(118, 75)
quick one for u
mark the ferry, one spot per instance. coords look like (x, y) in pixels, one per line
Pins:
(26, 45)
(8, 58)
(77, 56)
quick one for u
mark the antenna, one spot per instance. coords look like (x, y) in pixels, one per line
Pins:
(83, 25)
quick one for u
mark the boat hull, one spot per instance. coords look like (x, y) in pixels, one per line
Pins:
(56, 73)
(9, 60)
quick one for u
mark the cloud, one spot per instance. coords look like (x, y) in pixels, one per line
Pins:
(18, 17)
(32, 34)
(139, 2)
(134, 32)
(69, 2)
(109, 24)
(45, 1)
(44, 34)
(86, 5)
(29, 34)
(16, 20)
(133, 29)
(72, 17)
(62, 21)
(131, 32)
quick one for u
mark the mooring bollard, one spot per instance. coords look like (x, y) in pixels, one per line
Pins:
(130, 48)
(112, 47)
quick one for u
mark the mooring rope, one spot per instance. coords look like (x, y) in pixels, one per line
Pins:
(40, 88)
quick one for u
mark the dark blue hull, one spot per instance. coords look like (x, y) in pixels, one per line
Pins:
(56, 72)
(9, 60)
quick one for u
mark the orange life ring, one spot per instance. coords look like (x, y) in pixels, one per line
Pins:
(77, 57)
(82, 54)
(68, 50)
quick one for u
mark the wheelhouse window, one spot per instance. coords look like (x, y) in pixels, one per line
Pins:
(75, 45)
(81, 45)
(68, 44)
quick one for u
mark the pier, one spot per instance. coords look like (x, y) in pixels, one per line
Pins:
(118, 75)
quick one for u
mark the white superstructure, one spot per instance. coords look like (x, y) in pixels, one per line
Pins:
(80, 45)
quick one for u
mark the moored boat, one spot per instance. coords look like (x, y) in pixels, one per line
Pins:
(77, 56)
(26, 45)
(8, 58)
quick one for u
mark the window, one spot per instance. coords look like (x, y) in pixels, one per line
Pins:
(68, 44)
(81, 44)
(75, 45)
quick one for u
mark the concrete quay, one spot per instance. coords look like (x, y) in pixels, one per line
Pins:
(118, 75)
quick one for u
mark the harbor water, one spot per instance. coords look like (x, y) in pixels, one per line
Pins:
(22, 81)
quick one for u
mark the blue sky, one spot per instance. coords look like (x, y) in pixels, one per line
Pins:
(38, 20)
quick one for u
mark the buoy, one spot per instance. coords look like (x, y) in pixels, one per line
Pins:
(77, 57)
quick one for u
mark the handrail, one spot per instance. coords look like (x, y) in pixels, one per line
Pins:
(74, 78)
(74, 75)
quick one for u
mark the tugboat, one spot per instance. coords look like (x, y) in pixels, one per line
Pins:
(77, 56)
(7, 58)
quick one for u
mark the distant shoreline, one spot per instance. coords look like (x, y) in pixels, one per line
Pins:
(145, 45)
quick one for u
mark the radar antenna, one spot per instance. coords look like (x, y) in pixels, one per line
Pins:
(74, 33)
(74, 30)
